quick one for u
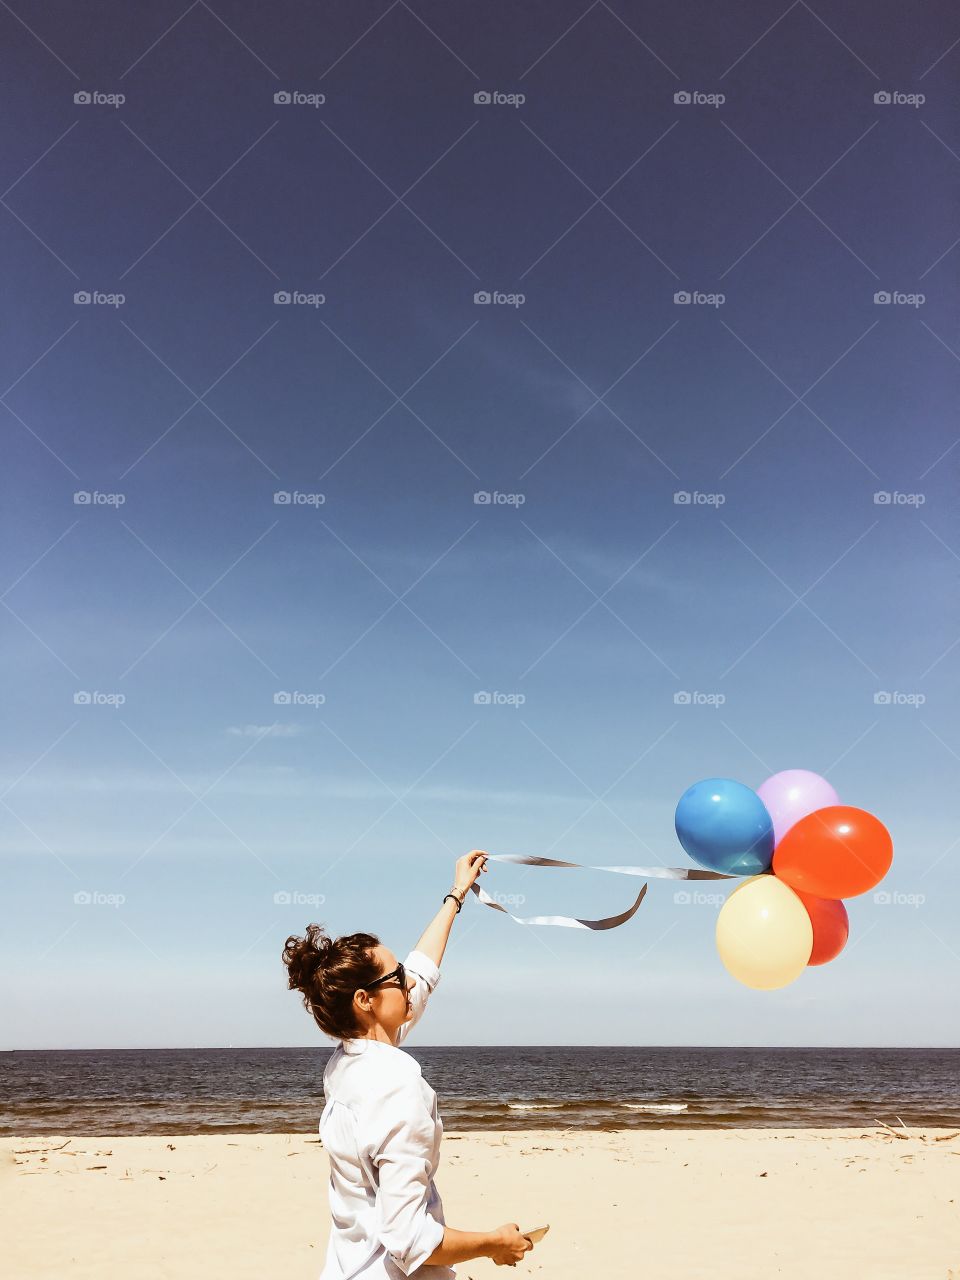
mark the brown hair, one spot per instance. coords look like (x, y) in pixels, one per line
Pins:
(327, 973)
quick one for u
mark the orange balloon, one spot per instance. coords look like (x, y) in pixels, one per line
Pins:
(837, 852)
(831, 926)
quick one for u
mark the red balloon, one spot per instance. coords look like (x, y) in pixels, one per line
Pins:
(831, 926)
(837, 852)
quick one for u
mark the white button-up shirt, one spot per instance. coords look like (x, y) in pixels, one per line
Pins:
(381, 1130)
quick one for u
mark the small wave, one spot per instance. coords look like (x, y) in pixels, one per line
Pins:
(533, 1106)
(654, 1106)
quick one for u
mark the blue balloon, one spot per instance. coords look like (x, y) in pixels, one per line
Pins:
(725, 826)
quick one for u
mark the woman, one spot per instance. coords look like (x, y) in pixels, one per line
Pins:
(380, 1126)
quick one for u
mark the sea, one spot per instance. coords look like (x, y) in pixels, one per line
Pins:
(198, 1091)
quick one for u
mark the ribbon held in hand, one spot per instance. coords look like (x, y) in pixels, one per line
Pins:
(607, 922)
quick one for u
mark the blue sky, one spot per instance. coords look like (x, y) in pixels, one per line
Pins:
(178, 793)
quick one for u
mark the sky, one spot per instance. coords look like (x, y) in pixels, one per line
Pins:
(432, 427)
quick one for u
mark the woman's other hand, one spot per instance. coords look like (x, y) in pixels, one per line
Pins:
(469, 868)
(510, 1245)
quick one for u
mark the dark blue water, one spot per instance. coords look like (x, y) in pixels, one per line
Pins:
(280, 1090)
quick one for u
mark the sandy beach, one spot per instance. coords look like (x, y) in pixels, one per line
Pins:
(746, 1204)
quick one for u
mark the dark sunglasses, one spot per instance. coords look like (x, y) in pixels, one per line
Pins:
(399, 972)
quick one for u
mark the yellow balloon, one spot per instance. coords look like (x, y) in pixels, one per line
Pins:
(764, 934)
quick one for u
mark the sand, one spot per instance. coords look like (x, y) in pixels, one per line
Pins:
(749, 1204)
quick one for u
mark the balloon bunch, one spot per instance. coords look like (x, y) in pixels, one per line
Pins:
(802, 852)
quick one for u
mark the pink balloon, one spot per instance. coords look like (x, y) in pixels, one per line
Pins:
(792, 794)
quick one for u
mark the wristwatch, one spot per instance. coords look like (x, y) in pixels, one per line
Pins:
(458, 896)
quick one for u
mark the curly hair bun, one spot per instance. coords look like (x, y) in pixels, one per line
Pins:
(304, 956)
(327, 973)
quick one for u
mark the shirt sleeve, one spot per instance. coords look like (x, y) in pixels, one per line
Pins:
(401, 1144)
(426, 975)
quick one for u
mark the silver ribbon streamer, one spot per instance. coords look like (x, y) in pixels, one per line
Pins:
(608, 922)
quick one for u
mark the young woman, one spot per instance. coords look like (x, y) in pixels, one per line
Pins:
(380, 1126)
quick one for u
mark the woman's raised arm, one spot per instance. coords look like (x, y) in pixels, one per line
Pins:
(433, 940)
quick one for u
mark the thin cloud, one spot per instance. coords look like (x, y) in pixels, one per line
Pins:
(265, 730)
(283, 782)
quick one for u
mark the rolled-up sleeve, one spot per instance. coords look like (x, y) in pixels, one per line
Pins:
(426, 975)
(401, 1133)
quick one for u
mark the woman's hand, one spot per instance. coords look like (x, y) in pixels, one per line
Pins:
(469, 868)
(510, 1245)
